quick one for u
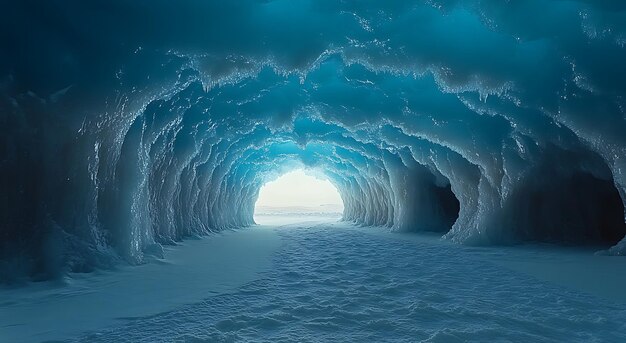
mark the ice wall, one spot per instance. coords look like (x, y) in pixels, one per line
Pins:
(129, 124)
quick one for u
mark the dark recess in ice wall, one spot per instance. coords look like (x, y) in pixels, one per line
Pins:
(129, 124)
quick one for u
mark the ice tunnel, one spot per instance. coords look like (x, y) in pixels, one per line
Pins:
(126, 125)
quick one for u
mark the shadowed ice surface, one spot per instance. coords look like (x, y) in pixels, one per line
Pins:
(333, 282)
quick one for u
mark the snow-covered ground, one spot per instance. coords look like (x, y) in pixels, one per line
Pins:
(289, 218)
(192, 271)
(327, 281)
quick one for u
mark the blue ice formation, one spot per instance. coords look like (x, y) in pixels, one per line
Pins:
(129, 124)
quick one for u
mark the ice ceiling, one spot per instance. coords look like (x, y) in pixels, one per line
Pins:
(129, 124)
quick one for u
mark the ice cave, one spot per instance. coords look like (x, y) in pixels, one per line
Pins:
(467, 161)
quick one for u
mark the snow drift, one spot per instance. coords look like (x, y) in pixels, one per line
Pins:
(129, 124)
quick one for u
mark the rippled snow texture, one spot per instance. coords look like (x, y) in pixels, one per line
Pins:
(330, 284)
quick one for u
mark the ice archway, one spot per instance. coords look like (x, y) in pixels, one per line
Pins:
(141, 122)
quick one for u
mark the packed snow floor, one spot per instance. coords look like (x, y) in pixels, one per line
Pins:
(333, 282)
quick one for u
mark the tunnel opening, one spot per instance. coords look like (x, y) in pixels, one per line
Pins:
(436, 210)
(428, 202)
(579, 209)
(448, 208)
(298, 196)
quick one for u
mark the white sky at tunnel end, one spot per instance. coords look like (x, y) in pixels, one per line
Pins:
(298, 192)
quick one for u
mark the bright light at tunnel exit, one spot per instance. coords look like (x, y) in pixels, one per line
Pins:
(298, 196)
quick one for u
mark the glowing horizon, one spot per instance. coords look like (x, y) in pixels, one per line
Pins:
(296, 189)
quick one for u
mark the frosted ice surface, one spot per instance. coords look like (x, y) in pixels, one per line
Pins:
(464, 118)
